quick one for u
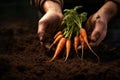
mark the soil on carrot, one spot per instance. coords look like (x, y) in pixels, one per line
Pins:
(23, 58)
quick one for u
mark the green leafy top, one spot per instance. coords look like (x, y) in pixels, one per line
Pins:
(73, 21)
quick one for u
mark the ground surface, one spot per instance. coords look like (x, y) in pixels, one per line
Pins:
(22, 57)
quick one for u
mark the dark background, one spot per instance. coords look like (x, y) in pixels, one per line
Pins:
(23, 58)
(17, 8)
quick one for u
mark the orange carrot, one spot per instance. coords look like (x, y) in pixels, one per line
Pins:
(68, 46)
(76, 42)
(59, 48)
(56, 40)
(57, 34)
(82, 46)
(84, 37)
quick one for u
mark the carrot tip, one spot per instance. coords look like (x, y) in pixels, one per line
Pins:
(50, 46)
(66, 58)
(51, 59)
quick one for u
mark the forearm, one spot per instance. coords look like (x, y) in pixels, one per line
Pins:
(44, 5)
(108, 10)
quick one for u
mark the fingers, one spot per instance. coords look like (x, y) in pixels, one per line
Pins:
(90, 25)
(98, 33)
(42, 34)
(99, 40)
(45, 32)
(97, 30)
(41, 37)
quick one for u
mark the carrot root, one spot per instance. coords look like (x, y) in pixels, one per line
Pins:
(57, 34)
(92, 51)
(82, 46)
(68, 46)
(84, 36)
(57, 39)
(76, 42)
(59, 48)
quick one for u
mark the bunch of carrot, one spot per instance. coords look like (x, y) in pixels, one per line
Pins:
(72, 32)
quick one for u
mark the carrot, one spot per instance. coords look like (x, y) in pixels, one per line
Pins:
(76, 42)
(68, 46)
(57, 34)
(57, 39)
(59, 48)
(82, 46)
(84, 37)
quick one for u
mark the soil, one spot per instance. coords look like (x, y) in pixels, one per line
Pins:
(23, 58)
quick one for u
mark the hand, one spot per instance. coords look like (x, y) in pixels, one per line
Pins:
(97, 28)
(97, 23)
(48, 24)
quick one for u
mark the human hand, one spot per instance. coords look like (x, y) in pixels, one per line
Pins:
(97, 28)
(97, 23)
(48, 24)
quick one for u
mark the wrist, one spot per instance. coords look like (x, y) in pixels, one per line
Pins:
(52, 6)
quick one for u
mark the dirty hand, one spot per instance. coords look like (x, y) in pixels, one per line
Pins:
(97, 23)
(48, 24)
(97, 29)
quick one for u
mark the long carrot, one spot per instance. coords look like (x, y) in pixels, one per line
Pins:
(57, 39)
(82, 46)
(57, 34)
(84, 36)
(59, 48)
(68, 47)
(76, 42)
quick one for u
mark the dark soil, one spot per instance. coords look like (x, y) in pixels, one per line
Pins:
(23, 58)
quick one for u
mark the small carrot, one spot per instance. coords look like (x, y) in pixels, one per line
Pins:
(76, 42)
(57, 39)
(68, 46)
(57, 34)
(59, 48)
(84, 37)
